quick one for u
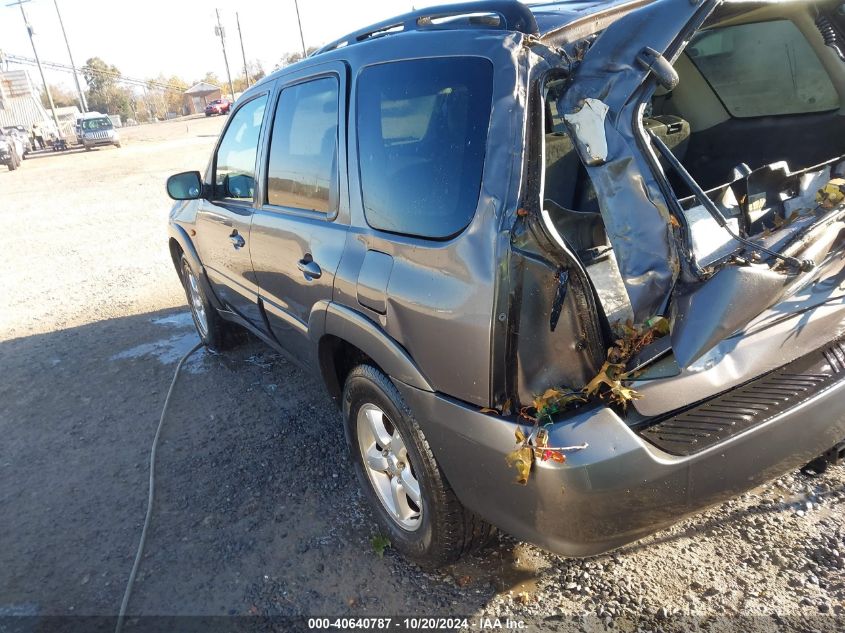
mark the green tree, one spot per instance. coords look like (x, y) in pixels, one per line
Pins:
(99, 75)
(104, 94)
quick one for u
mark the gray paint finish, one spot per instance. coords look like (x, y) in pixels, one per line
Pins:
(619, 488)
(373, 279)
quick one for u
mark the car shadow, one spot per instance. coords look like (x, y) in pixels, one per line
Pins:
(257, 507)
(49, 153)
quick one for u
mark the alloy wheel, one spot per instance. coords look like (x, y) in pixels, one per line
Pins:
(197, 305)
(388, 467)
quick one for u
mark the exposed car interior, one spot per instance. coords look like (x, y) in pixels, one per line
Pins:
(760, 97)
(753, 90)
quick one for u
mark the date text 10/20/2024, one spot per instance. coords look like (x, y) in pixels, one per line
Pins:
(421, 624)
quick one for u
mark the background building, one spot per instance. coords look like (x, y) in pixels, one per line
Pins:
(198, 96)
(20, 102)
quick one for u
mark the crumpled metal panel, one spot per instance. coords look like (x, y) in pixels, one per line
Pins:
(631, 202)
(791, 328)
(715, 310)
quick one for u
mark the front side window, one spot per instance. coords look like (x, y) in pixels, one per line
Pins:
(763, 69)
(302, 163)
(422, 134)
(234, 164)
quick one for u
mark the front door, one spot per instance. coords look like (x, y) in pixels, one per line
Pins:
(299, 230)
(224, 218)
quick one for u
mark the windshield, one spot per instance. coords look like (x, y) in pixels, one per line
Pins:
(97, 124)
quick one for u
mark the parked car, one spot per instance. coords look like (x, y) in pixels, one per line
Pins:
(570, 271)
(218, 106)
(97, 129)
(19, 131)
(11, 150)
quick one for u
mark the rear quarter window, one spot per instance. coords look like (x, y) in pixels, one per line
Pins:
(422, 133)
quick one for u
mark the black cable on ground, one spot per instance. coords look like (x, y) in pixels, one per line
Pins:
(151, 494)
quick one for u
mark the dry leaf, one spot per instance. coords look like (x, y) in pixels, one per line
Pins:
(521, 459)
(832, 194)
(489, 411)
(555, 400)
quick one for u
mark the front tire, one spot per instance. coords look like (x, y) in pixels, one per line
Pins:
(213, 330)
(414, 505)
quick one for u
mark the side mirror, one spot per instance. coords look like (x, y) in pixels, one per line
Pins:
(185, 186)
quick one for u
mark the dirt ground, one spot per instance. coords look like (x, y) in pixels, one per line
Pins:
(258, 512)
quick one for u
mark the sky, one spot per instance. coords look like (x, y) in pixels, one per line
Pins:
(176, 37)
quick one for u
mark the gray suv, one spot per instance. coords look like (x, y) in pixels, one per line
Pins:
(570, 270)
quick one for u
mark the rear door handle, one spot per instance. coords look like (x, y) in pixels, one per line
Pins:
(309, 268)
(236, 239)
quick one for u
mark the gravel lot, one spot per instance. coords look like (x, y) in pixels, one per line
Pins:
(258, 512)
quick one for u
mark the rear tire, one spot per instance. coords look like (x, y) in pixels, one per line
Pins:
(413, 503)
(215, 332)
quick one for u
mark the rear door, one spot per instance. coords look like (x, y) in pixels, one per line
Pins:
(300, 226)
(224, 218)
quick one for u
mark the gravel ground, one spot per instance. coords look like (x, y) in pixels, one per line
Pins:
(258, 512)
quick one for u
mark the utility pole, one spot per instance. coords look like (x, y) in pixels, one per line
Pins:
(241, 36)
(30, 32)
(82, 102)
(301, 36)
(219, 31)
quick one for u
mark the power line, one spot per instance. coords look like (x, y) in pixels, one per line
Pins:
(151, 83)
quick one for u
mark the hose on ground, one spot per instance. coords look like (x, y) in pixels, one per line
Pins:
(150, 495)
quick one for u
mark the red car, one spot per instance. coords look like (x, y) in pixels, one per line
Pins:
(218, 106)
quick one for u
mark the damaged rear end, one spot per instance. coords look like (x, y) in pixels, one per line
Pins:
(676, 292)
(638, 212)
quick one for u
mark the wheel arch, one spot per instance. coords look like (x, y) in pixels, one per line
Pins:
(345, 338)
(180, 243)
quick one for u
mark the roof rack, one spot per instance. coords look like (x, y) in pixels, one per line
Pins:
(512, 16)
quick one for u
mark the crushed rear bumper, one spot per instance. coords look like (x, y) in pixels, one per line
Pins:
(621, 487)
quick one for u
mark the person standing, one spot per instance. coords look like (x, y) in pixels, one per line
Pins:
(38, 135)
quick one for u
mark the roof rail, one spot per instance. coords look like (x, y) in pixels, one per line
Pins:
(512, 16)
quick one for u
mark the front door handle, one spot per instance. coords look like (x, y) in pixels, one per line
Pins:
(308, 267)
(236, 239)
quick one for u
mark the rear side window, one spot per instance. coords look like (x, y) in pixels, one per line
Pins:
(763, 69)
(422, 133)
(302, 165)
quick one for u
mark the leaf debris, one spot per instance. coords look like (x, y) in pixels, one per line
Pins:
(607, 384)
(832, 194)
